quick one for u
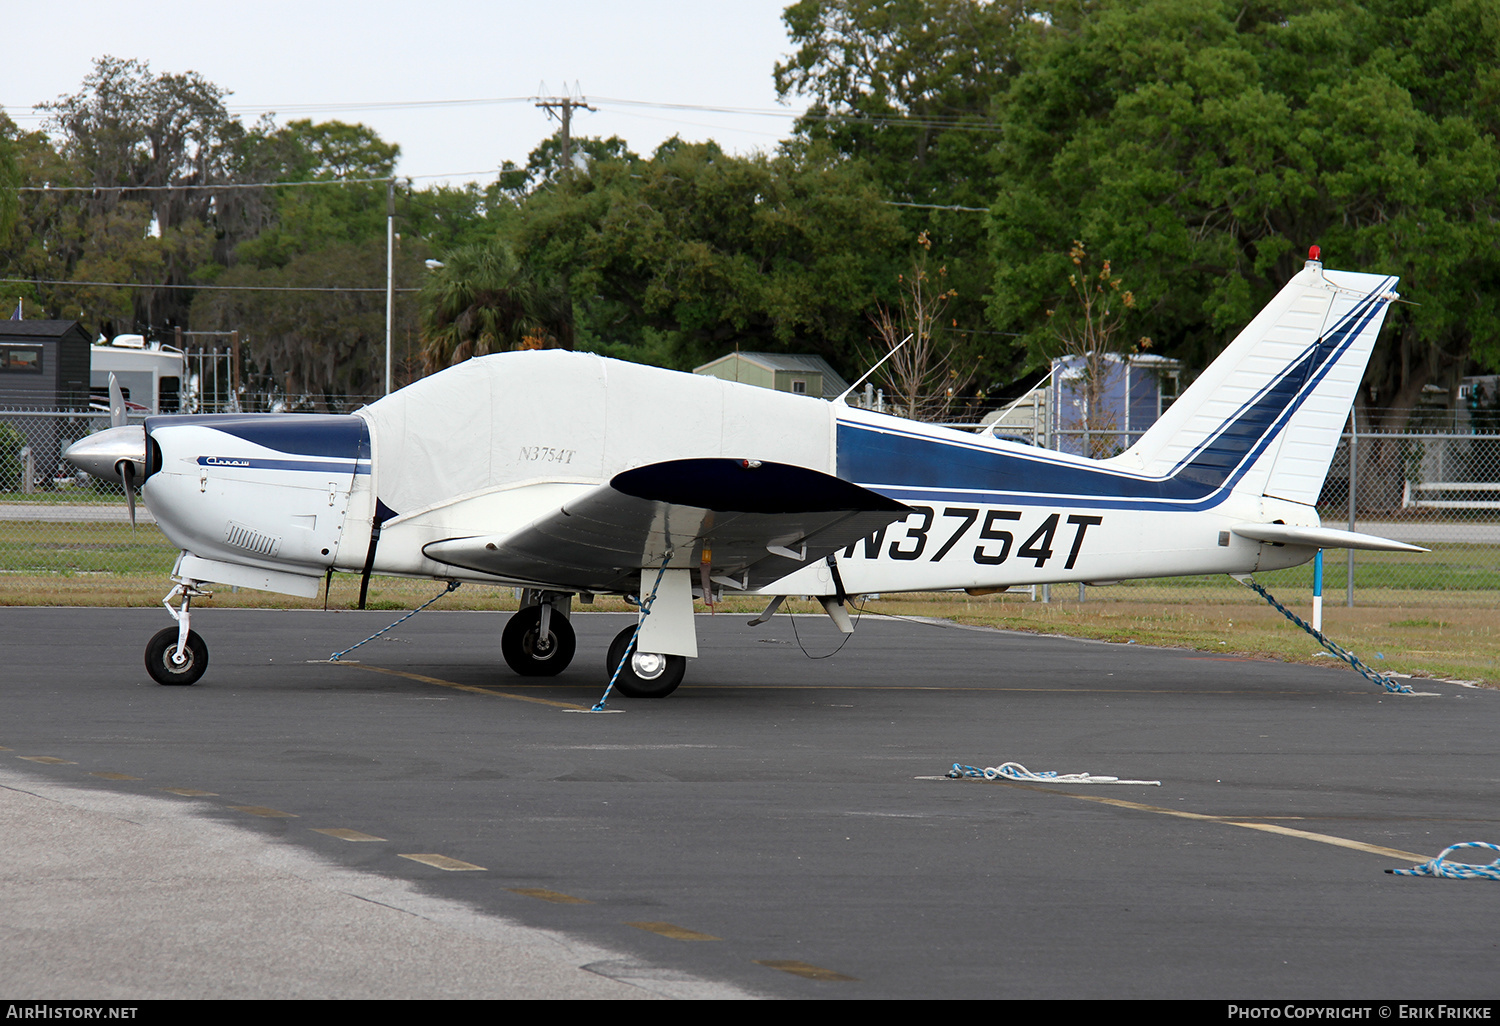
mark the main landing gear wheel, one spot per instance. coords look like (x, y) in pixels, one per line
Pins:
(161, 663)
(645, 674)
(532, 655)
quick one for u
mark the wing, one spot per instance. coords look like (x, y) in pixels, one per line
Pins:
(751, 522)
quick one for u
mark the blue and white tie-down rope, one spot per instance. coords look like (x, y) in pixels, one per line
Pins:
(1015, 771)
(1456, 870)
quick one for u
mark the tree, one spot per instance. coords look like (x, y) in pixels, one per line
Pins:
(907, 87)
(307, 218)
(483, 300)
(1088, 330)
(1205, 145)
(544, 165)
(678, 259)
(310, 349)
(925, 376)
(330, 344)
(154, 147)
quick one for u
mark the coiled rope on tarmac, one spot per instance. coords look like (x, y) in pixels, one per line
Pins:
(452, 586)
(1440, 867)
(1015, 771)
(1334, 648)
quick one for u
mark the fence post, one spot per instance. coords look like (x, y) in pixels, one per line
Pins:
(28, 470)
(1353, 497)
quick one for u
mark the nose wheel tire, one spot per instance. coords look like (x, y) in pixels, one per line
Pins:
(530, 654)
(645, 674)
(161, 654)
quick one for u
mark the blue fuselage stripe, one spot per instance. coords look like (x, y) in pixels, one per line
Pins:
(310, 466)
(915, 467)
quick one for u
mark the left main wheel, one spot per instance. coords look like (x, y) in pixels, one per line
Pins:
(530, 654)
(164, 669)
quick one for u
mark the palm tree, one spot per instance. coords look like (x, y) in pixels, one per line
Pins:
(483, 300)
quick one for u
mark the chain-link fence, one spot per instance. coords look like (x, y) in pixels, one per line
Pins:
(62, 532)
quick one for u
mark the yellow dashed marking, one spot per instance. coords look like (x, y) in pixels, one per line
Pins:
(114, 776)
(47, 759)
(261, 810)
(1238, 821)
(543, 894)
(452, 865)
(674, 932)
(475, 689)
(812, 972)
(190, 792)
(345, 834)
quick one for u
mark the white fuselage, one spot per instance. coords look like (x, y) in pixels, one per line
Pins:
(491, 446)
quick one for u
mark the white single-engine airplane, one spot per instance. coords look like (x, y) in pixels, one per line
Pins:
(565, 474)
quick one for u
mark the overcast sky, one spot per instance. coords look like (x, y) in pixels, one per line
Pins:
(310, 59)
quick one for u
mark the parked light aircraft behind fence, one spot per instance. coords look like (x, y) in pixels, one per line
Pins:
(565, 474)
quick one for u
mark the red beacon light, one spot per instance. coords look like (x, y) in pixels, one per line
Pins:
(1313, 252)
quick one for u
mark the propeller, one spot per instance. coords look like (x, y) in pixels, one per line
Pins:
(125, 467)
(127, 475)
(118, 453)
(116, 403)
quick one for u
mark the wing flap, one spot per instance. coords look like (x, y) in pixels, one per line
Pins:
(727, 514)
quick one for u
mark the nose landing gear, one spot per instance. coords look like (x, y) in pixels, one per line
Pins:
(177, 655)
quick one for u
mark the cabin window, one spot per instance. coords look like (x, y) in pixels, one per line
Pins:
(799, 386)
(20, 359)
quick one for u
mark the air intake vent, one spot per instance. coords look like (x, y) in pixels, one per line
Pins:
(244, 537)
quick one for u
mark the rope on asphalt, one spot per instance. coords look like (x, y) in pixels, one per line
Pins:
(452, 586)
(1364, 671)
(1456, 870)
(1015, 771)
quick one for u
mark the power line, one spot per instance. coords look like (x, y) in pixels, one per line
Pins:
(207, 288)
(246, 185)
(214, 186)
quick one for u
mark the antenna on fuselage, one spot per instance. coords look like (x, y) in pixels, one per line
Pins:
(844, 396)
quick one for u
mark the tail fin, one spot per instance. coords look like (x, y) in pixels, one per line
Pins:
(1266, 416)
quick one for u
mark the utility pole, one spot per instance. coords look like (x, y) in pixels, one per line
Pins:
(565, 104)
(390, 273)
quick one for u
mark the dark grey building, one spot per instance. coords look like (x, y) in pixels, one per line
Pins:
(44, 367)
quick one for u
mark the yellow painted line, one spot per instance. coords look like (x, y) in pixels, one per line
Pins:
(476, 689)
(190, 792)
(114, 776)
(965, 689)
(472, 688)
(452, 865)
(557, 897)
(47, 759)
(1238, 821)
(812, 972)
(674, 932)
(1340, 842)
(345, 834)
(261, 810)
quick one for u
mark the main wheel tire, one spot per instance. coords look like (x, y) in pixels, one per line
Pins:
(160, 664)
(531, 655)
(644, 675)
